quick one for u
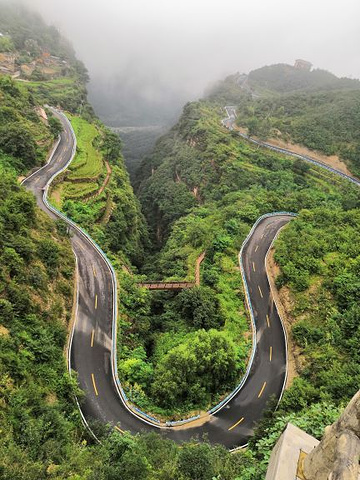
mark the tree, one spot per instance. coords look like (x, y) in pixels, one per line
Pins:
(111, 146)
(193, 371)
(195, 462)
(16, 140)
(55, 126)
(49, 254)
(6, 44)
(199, 307)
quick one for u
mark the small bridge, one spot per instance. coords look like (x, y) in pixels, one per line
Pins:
(176, 285)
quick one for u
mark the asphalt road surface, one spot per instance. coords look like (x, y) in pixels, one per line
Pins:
(90, 353)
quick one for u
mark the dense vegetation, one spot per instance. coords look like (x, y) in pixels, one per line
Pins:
(201, 190)
(283, 78)
(38, 418)
(192, 336)
(58, 77)
(234, 184)
(42, 435)
(24, 139)
(320, 261)
(327, 121)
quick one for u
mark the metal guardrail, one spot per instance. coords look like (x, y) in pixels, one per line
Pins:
(133, 409)
(225, 123)
(78, 229)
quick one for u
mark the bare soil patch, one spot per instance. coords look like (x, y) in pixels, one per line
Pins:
(333, 160)
(56, 195)
(4, 332)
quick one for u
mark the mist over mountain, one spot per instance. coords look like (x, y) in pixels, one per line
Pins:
(161, 54)
(122, 101)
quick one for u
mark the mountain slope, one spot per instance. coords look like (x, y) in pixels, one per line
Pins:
(315, 109)
(203, 187)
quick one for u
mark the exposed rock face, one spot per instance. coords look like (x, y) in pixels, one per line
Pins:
(337, 455)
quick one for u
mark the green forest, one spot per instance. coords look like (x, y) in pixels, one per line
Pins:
(200, 190)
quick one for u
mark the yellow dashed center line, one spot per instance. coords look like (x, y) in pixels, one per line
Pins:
(270, 354)
(262, 390)
(268, 320)
(96, 302)
(261, 294)
(254, 267)
(237, 423)
(119, 429)
(94, 384)
(94, 271)
(92, 338)
(256, 248)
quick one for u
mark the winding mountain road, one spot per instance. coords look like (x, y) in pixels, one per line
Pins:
(91, 354)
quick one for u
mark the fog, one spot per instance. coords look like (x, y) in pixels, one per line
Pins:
(164, 51)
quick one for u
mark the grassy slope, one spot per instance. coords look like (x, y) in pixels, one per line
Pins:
(88, 162)
(87, 170)
(112, 217)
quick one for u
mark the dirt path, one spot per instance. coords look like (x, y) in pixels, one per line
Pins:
(197, 268)
(106, 181)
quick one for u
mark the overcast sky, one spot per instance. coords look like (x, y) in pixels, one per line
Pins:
(190, 43)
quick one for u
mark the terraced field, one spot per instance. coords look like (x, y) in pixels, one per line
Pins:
(86, 173)
(88, 162)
